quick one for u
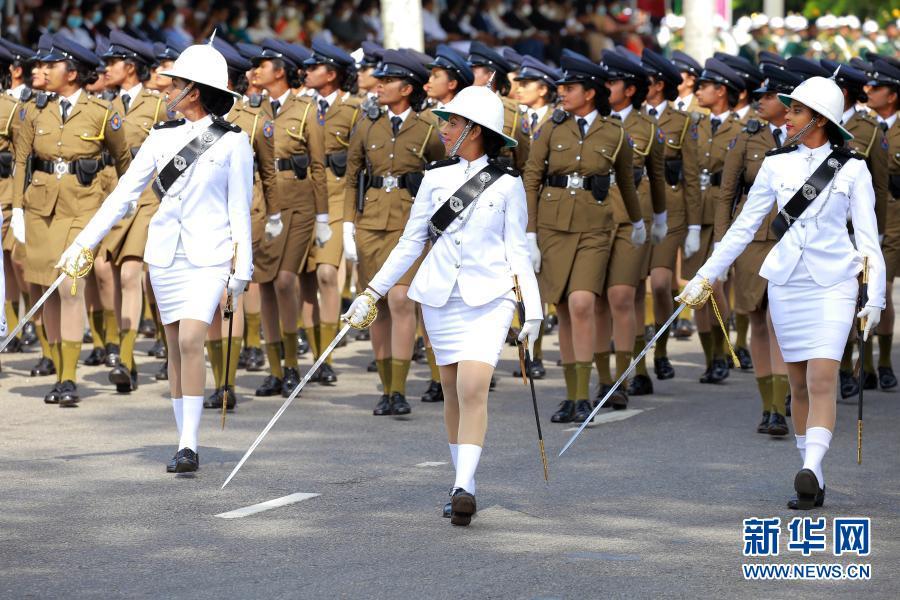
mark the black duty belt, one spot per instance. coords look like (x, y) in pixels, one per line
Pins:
(57, 166)
(284, 164)
(389, 182)
(575, 181)
(108, 159)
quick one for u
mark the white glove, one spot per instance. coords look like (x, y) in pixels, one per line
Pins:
(872, 315)
(660, 227)
(350, 242)
(132, 208)
(236, 287)
(638, 233)
(70, 256)
(534, 252)
(530, 332)
(360, 307)
(17, 224)
(692, 292)
(273, 226)
(323, 230)
(691, 242)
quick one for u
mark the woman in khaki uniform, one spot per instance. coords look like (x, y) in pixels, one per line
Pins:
(567, 184)
(629, 266)
(302, 202)
(387, 155)
(66, 137)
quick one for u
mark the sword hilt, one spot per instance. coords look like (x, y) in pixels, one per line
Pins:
(78, 267)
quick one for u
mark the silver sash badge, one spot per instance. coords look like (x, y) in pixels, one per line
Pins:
(456, 204)
(179, 162)
(809, 192)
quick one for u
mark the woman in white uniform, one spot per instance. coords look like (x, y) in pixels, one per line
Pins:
(465, 284)
(812, 270)
(202, 226)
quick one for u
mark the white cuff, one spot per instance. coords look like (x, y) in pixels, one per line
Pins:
(322, 218)
(638, 224)
(694, 227)
(275, 216)
(531, 236)
(660, 218)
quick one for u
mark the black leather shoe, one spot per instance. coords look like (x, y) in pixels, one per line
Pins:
(302, 343)
(214, 400)
(434, 393)
(29, 334)
(170, 466)
(14, 346)
(619, 400)
(640, 385)
(870, 381)
(663, 368)
(399, 405)
(582, 411)
(290, 381)
(158, 350)
(52, 396)
(537, 370)
(849, 384)
(68, 393)
(242, 357)
(271, 386)
(763, 426)
(744, 358)
(462, 507)
(886, 378)
(186, 461)
(604, 389)
(163, 373)
(777, 425)
(96, 358)
(373, 367)
(683, 329)
(147, 328)
(256, 360)
(565, 413)
(124, 380)
(383, 407)
(43, 368)
(327, 376)
(448, 510)
(418, 355)
(787, 405)
(112, 355)
(794, 503)
(720, 369)
(807, 487)
(87, 337)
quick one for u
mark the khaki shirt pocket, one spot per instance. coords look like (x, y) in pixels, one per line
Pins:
(39, 198)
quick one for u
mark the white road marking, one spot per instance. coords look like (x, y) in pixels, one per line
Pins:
(610, 417)
(431, 464)
(268, 505)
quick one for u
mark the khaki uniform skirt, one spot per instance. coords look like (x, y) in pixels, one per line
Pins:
(572, 262)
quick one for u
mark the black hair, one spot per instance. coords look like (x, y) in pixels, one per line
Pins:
(418, 99)
(141, 69)
(835, 137)
(855, 93)
(238, 80)
(733, 95)
(502, 84)
(670, 89)
(346, 78)
(213, 101)
(85, 75)
(5, 77)
(551, 91)
(641, 89)
(454, 76)
(601, 97)
(493, 142)
(292, 75)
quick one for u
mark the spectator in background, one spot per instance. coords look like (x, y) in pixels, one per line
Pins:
(154, 24)
(431, 26)
(347, 25)
(73, 27)
(259, 28)
(134, 21)
(174, 27)
(237, 26)
(287, 25)
(371, 13)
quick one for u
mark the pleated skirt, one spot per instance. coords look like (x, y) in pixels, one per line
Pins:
(460, 332)
(186, 291)
(812, 321)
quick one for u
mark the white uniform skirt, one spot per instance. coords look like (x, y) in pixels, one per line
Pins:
(812, 321)
(459, 332)
(186, 291)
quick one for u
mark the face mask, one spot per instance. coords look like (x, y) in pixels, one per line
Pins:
(179, 20)
(526, 10)
(160, 18)
(137, 19)
(121, 22)
(319, 17)
(74, 21)
(242, 23)
(97, 17)
(290, 12)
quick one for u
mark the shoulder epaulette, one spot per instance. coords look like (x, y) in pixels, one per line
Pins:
(26, 94)
(228, 124)
(101, 102)
(696, 117)
(559, 115)
(41, 99)
(782, 150)
(255, 100)
(351, 101)
(108, 95)
(753, 126)
(446, 162)
(508, 170)
(169, 124)
(848, 152)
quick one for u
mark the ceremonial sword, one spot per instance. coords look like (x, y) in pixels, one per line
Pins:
(525, 365)
(863, 298)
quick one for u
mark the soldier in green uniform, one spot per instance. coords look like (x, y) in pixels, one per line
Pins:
(66, 137)
(301, 194)
(743, 161)
(570, 220)
(683, 206)
(719, 88)
(628, 265)
(387, 155)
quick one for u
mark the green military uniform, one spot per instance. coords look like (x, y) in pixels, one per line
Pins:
(128, 237)
(629, 265)
(389, 159)
(301, 189)
(574, 225)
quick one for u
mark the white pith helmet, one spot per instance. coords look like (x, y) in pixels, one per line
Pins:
(202, 64)
(823, 96)
(480, 105)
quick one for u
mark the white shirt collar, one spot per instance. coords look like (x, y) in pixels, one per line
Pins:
(721, 117)
(478, 163)
(660, 108)
(330, 98)
(73, 100)
(823, 149)
(782, 129)
(890, 120)
(16, 92)
(848, 114)
(742, 112)
(283, 98)
(622, 113)
(133, 92)
(402, 115)
(589, 118)
(540, 112)
(685, 101)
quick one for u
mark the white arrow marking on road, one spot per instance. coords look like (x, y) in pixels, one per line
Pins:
(268, 505)
(431, 464)
(619, 415)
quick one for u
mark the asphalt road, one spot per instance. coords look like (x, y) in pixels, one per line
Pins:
(648, 505)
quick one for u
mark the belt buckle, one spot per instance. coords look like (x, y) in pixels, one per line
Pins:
(390, 182)
(60, 167)
(575, 181)
(704, 180)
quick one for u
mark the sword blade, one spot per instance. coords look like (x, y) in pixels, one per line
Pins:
(622, 377)
(287, 402)
(24, 321)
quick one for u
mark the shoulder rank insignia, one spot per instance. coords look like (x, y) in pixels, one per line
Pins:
(115, 121)
(559, 115)
(268, 129)
(752, 126)
(782, 150)
(255, 100)
(169, 124)
(446, 162)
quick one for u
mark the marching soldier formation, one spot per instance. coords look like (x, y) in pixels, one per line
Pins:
(634, 169)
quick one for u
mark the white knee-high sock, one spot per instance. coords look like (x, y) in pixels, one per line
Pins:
(467, 463)
(178, 408)
(192, 411)
(801, 445)
(454, 453)
(818, 439)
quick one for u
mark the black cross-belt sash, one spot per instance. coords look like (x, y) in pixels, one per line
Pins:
(461, 199)
(188, 156)
(808, 192)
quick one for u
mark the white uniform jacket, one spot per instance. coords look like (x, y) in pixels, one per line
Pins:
(820, 238)
(208, 207)
(480, 256)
